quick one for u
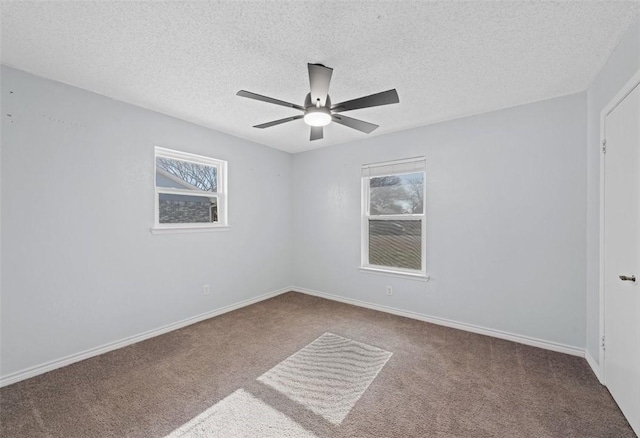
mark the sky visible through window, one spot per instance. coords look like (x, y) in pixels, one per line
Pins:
(397, 194)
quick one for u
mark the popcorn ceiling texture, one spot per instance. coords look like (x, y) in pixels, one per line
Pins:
(188, 59)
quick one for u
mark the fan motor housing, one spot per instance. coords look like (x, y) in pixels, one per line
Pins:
(308, 103)
(316, 115)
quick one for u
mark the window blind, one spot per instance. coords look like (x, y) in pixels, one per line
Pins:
(409, 165)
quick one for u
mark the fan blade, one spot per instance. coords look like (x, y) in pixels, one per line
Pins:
(278, 122)
(255, 96)
(360, 125)
(316, 133)
(384, 98)
(319, 79)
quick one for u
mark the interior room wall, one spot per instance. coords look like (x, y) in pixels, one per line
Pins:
(508, 246)
(505, 213)
(80, 267)
(623, 63)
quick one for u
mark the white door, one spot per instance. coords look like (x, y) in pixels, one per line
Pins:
(622, 255)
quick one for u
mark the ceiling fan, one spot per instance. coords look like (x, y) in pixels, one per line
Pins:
(318, 110)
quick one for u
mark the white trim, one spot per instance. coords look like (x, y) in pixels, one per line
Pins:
(186, 192)
(382, 271)
(594, 366)
(527, 340)
(186, 156)
(77, 357)
(365, 217)
(221, 194)
(397, 217)
(392, 162)
(624, 91)
(182, 228)
(601, 359)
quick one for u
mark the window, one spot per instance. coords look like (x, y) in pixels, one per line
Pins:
(191, 191)
(393, 225)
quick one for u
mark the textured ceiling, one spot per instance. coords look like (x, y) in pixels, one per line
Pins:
(189, 58)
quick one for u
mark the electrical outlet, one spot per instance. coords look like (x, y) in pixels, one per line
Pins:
(389, 290)
(205, 289)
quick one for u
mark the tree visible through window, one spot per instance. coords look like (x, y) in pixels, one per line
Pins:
(198, 175)
(393, 216)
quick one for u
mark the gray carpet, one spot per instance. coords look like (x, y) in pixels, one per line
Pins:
(438, 382)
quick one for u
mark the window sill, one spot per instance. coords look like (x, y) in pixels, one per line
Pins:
(189, 229)
(407, 275)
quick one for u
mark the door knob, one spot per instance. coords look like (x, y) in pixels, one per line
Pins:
(627, 278)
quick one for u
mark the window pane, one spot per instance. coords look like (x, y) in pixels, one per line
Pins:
(395, 243)
(184, 175)
(184, 209)
(396, 194)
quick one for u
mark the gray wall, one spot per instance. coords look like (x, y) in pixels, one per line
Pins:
(80, 267)
(619, 69)
(505, 212)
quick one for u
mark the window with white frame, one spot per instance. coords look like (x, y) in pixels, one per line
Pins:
(393, 225)
(191, 190)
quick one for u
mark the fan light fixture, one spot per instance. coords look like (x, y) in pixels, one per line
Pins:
(318, 111)
(317, 116)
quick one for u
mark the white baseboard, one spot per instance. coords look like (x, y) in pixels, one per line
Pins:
(77, 357)
(527, 340)
(594, 366)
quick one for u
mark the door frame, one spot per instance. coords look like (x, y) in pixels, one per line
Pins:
(619, 97)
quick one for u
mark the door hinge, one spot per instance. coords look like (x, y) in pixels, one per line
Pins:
(604, 146)
(602, 344)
